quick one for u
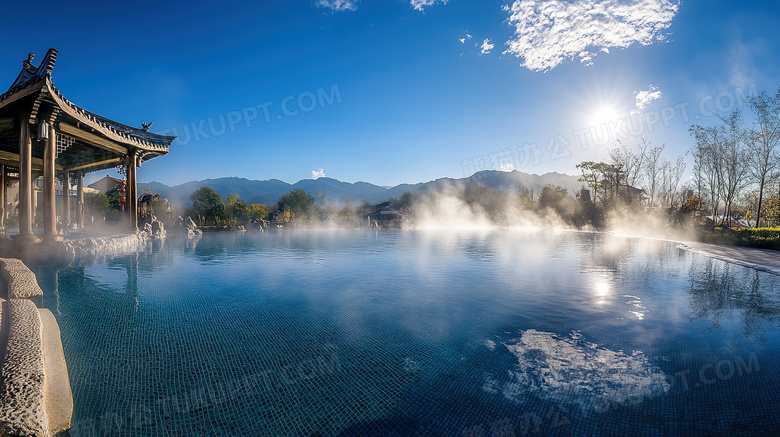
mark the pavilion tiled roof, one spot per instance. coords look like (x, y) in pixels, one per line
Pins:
(31, 77)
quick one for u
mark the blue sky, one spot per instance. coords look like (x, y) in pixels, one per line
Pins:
(394, 91)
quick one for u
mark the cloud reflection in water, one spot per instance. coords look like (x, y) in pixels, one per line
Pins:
(570, 369)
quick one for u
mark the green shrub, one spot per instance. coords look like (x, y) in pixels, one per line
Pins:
(764, 238)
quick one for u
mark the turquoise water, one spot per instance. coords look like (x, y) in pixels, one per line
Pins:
(365, 333)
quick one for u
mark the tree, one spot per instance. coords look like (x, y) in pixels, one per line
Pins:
(721, 162)
(96, 204)
(707, 164)
(348, 213)
(237, 211)
(240, 211)
(207, 204)
(230, 204)
(405, 202)
(552, 196)
(299, 202)
(764, 138)
(653, 170)
(671, 176)
(115, 201)
(613, 174)
(692, 204)
(771, 211)
(735, 162)
(630, 161)
(258, 211)
(591, 175)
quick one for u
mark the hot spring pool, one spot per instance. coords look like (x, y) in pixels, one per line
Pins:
(365, 333)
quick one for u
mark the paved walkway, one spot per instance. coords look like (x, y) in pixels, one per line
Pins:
(762, 259)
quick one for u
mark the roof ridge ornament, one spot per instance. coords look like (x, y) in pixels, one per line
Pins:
(145, 126)
(28, 62)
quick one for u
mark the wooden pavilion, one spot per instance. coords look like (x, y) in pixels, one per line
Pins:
(43, 133)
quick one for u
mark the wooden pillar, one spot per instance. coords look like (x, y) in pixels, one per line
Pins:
(25, 182)
(132, 198)
(49, 200)
(34, 204)
(80, 200)
(3, 193)
(65, 198)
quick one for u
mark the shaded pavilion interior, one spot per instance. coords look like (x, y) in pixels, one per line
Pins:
(43, 134)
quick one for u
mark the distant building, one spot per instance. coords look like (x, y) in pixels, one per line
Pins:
(385, 219)
(623, 191)
(106, 184)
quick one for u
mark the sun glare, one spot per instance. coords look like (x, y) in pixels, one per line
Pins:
(601, 291)
(603, 114)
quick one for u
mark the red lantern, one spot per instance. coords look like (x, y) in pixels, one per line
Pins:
(123, 198)
(123, 190)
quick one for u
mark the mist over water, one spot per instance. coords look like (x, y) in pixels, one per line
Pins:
(447, 209)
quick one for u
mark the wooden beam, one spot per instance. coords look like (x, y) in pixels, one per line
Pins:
(12, 159)
(6, 124)
(94, 164)
(97, 141)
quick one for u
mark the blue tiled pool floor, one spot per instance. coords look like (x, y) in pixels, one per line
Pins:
(412, 333)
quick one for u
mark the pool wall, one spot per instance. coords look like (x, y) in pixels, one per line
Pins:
(35, 395)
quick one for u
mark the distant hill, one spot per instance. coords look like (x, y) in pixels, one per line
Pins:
(269, 191)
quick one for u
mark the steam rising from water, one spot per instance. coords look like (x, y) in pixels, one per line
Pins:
(456, 207)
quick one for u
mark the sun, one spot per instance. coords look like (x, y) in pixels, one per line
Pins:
(603, 114)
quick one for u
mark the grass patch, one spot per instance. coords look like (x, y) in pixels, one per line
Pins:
(761, 238)
(764, 238)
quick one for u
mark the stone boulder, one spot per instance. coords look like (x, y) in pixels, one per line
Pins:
(187, 226)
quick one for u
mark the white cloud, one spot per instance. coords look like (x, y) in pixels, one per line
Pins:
(487, 46)
(420, 4)
(316, 174)
(463, 40)
(550, 32)
(338, 5)
(645, 97)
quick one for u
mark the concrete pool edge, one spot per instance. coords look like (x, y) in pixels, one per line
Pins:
(35, 394)
(765, 260)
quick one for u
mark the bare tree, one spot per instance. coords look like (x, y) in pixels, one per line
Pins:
(653, 170)
(764, 137)
(707, 164)
(629, 162)
(671, 176)
(677, 172)
(735, 161)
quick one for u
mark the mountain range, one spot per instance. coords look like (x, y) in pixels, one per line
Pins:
(268, 191)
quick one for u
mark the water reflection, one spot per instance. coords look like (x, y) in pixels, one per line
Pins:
(559, 368)
(721, 292)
